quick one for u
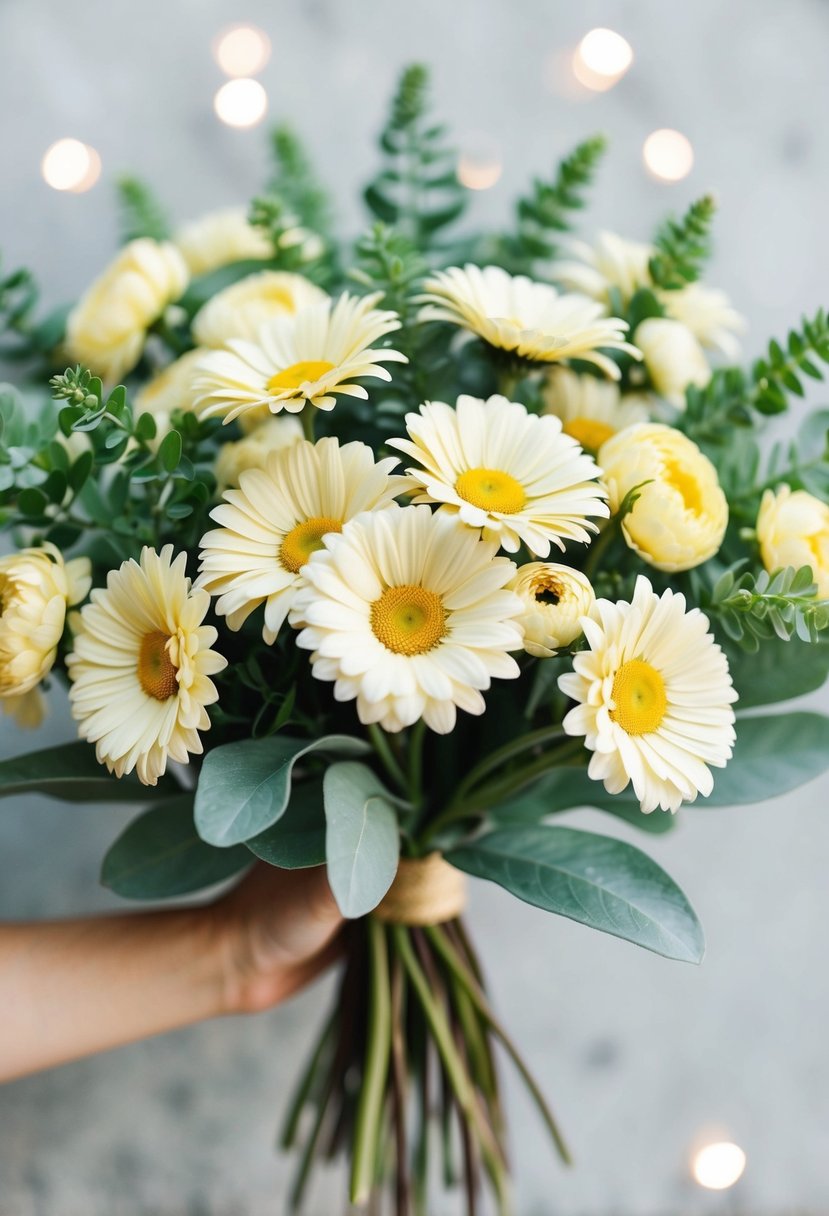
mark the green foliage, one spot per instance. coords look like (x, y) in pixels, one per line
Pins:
(774, 754)
(141, 213)
(683, 246)
(778, 671)
(245, 787)
(548, 210)
(18, 296)
(297, 840)
(271, 213)
(754, 607)
(565, 788)
(160, 855)
(417, 190)
(603, 883)
(362, 838)
(71, 773)
(294, 181)
(389, 261)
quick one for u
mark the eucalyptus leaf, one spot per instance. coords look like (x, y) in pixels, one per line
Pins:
(297, 840)
(564, 789)
(362, 842)
(778, 671)
(71, 773)
(244, 787)
(160, 855)
(774, 753)
(603, 883)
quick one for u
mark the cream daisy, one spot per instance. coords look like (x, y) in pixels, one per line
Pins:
(654, 698)
(531, 319)
(555, 599)
(242, 309)
(407, 612)
(141, 664)
(252, 452)
(709, 315)
(302, 359)
(504, 470)
(278, 517)
(591, 410)
(613, 262)
(36, 588)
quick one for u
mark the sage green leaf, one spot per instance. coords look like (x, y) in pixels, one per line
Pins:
(774, 753)
(297, 840)
(563, 789)
(160, 855)
(362, 839)
(71, 773)
(603, 883)
(778, 671)
(244, 787)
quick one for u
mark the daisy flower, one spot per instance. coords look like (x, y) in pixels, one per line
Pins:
(301, 359)
(141, 664)
(533, 320)
(591, 410)
(407, 612)
(278, 517)
(504, 470)
(613, 262)
(654, 698)
(710, 316)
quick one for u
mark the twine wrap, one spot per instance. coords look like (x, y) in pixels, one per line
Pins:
(426, 891)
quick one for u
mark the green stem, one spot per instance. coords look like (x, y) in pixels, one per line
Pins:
(307, 419)
(546, 734)
(416, 740)
(378, 1047)
(303, 1089)
(446, 951)
(491, 795)
(598, 547)
(387, 757)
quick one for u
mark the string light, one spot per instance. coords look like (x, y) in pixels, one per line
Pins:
(718, 1166)
(71, 165)
(668, 155)
(601, 59)
(242, 50)
(241, 103)
(479, 163)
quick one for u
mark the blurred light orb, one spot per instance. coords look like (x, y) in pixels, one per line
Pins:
(718, 1166)
(668, 155)
(601, 59)
(242, 50)
(71, 165)
(241, 103)
(479, 163)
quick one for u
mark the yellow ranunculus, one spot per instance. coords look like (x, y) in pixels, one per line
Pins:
(680, 517)
(107, 328)
(252, 452)
(171, 389)
(555, 599)
(673, 356)
(793, 530)
(241, 309)
(219, 238)
(36, 587)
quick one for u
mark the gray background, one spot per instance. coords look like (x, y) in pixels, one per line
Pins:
(641, 1056)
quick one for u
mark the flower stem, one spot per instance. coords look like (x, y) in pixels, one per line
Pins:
(378, 1047)
(307, 419)
(387, 757)
(547, 734)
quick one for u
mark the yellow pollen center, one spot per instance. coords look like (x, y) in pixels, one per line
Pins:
(686, 485)
(639, 696)
(547, 590)
(491, 490)
(408, 619)
(156, 671)
(305, 539)
(298, 374)
(588, 432)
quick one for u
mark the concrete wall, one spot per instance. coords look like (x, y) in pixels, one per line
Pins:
(639, 1055)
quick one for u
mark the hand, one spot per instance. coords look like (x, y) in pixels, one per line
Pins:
(279, 929)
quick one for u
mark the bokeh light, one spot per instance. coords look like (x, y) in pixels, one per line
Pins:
(241, 103)
(668, 155)
(601, 59)
(71, 165)
(242, 50)
(479, 163)
(718, 1166)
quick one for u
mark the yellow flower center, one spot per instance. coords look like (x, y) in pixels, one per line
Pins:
(546, 589)
(639, 696)
(156, 670)
(491, 490)
(687, 486)
(590, 433)
(305, 539)
(298, 374)
(408, 620)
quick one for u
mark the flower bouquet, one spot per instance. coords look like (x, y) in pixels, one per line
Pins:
(404, 548)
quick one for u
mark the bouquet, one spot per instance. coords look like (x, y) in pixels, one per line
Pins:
(399, 549)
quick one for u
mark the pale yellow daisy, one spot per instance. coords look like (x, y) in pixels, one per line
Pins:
(533, 320)
(613, 262)
(511, 473)
(710, 316)
(591, 410)
(242, 309)
(555, 599)
(299, 360)
(654, 698)
(407, 612)
(141, 666)
(278, 517)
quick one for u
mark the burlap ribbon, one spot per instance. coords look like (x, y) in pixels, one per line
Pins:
(426, 891)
